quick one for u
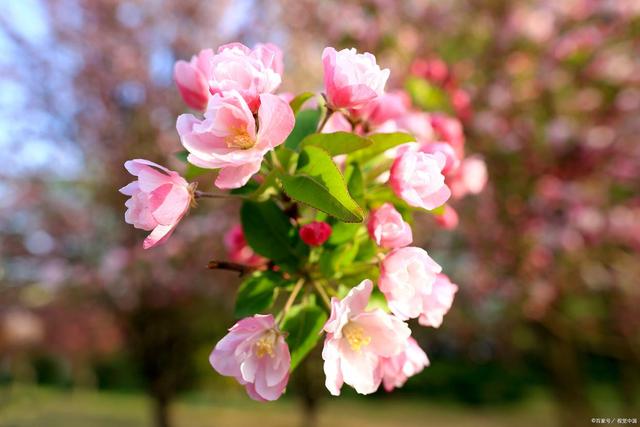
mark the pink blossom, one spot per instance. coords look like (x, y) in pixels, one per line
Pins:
(407, 277)
(437, 303)
(397, 369)
(357, 340)
(250, 72)
(417, 178)
(471, 177)
(388, 229)
(192, 79)
(337, 122)
(255, 353)
(388, 106)
(227, 138)
(452, 160)
(352, 79)
(449, 130)
(447, 219)
(238, 249)
(159, 200)
(315, 233)
(418, 124)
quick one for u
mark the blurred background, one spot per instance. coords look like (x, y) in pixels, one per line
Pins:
(95, 331)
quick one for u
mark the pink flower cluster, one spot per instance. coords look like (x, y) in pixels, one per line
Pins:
(243, 120)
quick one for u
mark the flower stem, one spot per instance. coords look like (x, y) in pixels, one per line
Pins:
(203, 194)
(323, 294)
(291, 299)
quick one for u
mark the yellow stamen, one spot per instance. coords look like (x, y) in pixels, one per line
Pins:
(240, 139)
(355, 336)
(266, 344)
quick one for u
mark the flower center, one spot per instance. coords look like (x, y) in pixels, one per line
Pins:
(266, 344)
(240, 139)
(355, 336)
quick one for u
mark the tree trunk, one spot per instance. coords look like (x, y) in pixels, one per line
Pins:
(161, 413)
(567, 382)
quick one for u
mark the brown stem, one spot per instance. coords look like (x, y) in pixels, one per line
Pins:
(203, 194)
(323, 294)
(233, 266)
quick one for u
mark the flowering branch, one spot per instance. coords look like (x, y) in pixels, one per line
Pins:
(306, 195)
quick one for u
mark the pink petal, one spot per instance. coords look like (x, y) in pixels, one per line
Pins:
(236, 176)
(276, 121)
(159, 235)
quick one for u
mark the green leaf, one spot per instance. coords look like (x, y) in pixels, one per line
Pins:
(337, 142)
(355, 182)
(269, 232)
(381, 143)
(303, 322)
(342, 232)
(192, 171)
(332, 261)
(427, 96)
(319, 183)
(257, 293)
(297, 102)
(306, 124)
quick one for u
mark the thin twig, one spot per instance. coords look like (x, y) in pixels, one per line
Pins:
(323, 294)
(233, 266)
(200, 194)
(291, 299)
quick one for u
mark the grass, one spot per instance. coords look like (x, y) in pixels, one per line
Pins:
(23, 406)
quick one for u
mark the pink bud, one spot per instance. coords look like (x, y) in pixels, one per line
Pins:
(238, 249)
(448, 219)
(388, 229)
(452, 159)
(192, 79)
(417, 178)
(315, 233)
(352, 79)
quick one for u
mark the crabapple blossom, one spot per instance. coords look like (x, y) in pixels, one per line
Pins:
(470, 178)
(448, 219)
(449, 130)
(397, 369)
(417, 178)
(387, 228)
(250, 72)
(352, 79)
(437, 303)
(357, 340)
(238, 249)
(192, 79)
(315, 233)
(229, 139)
(255, 353)
(159, 199)
(407, 276)
(388, 106)
(452, 160)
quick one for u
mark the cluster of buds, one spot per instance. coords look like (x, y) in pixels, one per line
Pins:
(329, 185)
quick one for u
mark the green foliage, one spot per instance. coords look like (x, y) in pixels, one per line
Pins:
(306, 124)
(319, 183)
(303, 323)
(355, 182)
(427, 96)
(381, 143)
(297, 102)
(269, 232)
(192, 171)
(257, 293)
(337, 142)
